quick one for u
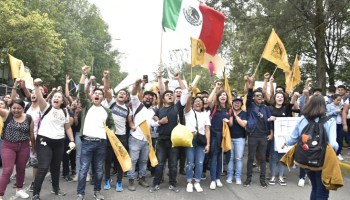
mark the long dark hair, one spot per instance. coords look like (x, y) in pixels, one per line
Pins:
(218, 105)
(273, 99)
(64, 99)
(316, 107)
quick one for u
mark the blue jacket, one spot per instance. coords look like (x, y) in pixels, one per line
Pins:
(252, 111)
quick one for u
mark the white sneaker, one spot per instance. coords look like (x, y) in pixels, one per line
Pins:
(75, 178)
(301, 182)
(218, 183)
(22, 194)
(198, 187)
(228, 181)
(340, 157)
(189, 187)
(238, 181)
(212, 185)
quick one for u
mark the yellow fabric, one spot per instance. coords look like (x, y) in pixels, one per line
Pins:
(1, 126)
(244, 103)
(119, 150)
(198, 51)
(228, 90)
(226, 143)
(18, 70)
(288, 77)
(181, 136)
(195, 92)
(331, 174)
(151, 153)
(275, 52)
(296, 73)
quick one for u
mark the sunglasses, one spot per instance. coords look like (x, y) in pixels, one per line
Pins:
(258, 95)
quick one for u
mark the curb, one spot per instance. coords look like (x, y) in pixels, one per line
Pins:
(345, 166)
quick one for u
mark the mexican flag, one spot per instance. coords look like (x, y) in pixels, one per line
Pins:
(196, 20)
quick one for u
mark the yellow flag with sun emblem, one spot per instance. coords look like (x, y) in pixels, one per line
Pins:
(275, 52)
(198, 51)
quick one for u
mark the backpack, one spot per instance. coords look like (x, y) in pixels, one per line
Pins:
(311, 146)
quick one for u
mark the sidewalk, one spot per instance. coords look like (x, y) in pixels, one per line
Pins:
(345, 164)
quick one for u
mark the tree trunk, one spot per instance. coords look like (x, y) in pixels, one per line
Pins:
(320, 32)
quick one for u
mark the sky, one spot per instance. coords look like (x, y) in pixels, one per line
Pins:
(135, 27)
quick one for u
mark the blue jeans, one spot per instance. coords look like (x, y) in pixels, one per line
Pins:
(94, 151)
(194, 157)
(236, 158)
(78, 151)
(215, 155)
(318, 190)
(276, 157)
(138, 151)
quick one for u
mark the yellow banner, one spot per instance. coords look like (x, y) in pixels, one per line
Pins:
(275, 52)
(198, 51)
(151, 153)
(296, 73)
(119, 150)
(18, 70)
(226, 144)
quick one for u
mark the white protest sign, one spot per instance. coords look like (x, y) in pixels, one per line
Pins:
(284, 127)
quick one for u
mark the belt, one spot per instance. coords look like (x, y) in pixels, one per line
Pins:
(93, 139)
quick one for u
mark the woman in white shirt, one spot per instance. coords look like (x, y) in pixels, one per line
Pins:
(199, 123)
(50, 139)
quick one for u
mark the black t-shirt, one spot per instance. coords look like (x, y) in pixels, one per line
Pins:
(171, 112)
(236, 130)
(76, 128)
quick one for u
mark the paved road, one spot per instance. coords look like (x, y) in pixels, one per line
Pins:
(228, 191)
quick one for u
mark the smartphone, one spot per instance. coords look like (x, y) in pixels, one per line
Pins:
(145, 78)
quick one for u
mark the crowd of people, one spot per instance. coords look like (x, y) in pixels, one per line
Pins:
(48, 131)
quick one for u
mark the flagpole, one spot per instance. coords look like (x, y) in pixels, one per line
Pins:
(274, 71)
(191, 60)
(256, 69)
(161, 51)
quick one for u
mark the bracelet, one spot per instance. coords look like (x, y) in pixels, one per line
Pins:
(71, 141)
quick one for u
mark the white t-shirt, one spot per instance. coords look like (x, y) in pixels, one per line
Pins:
(144, 114)
(202, 119)
(120, 115)
(347, 102)
(52, 125)
(35, 114)
(93, 125)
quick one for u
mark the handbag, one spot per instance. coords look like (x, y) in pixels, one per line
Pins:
(181, 136)
(200, 139)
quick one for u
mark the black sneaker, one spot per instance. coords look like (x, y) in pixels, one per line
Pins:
(174, 188)
(263, 184)
(204, 176)
(68, 178)
(154, 188)
(36, 197)
(58, 192)
(247, 183)
(31, 188)
(182, 172)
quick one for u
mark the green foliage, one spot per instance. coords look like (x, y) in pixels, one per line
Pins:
(55, 37)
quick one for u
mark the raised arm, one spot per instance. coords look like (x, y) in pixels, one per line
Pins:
(25, 90)
(41, 101)
(107, 91)
(14, 89)
(264, 88)
(189, 100)
(70, 100)
(161, 87)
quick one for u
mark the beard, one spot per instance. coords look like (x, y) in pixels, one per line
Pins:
(147, 104)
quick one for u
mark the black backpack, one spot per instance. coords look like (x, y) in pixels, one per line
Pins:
(311, 147)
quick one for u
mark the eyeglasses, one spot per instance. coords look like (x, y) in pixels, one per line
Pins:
(198, 102)
(169, 95)
(258, 95)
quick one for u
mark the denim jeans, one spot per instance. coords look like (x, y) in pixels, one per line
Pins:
(78, 152)
(340, 138)
(164, 151)
(94, 151)
(257, 144)
(318, 190)
(275, 158)
(194, 158)
(236, 158)
(138, 151)
(215, 155)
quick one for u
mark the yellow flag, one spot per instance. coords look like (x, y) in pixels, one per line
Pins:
(244, 103)
(228, 90)
(119, 150)
(151, 153)
(288, 76)
(198, 51)
(296, 73)
(18, 70)
(275, 52)
(226, 143)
